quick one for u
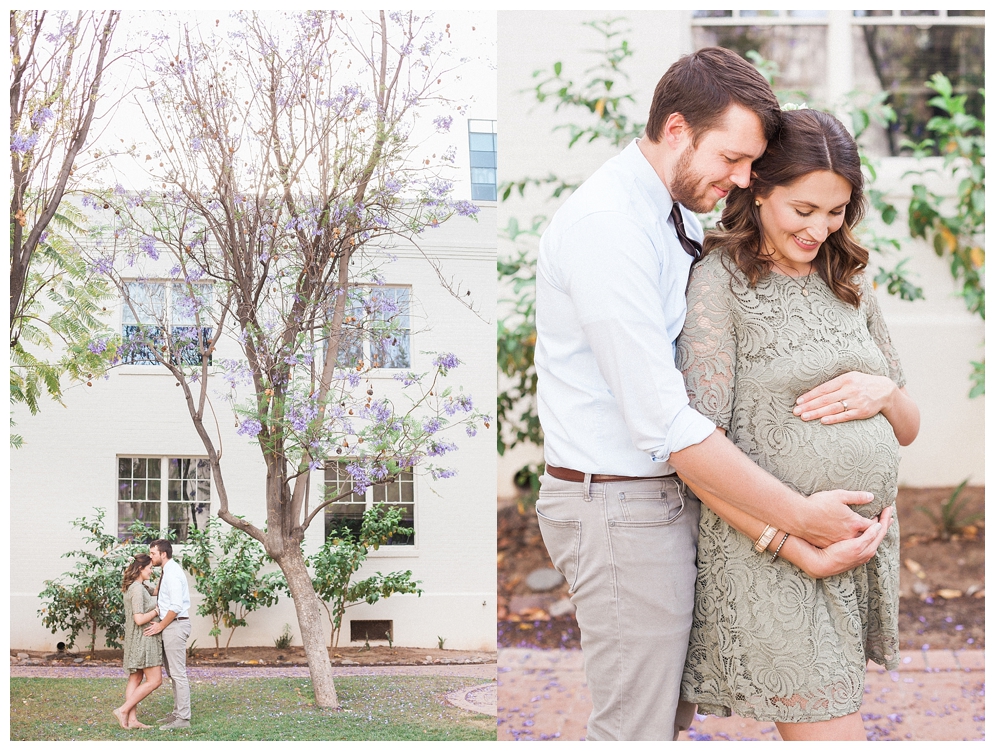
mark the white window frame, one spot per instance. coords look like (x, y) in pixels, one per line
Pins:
(376, 494)
(164, 500)
(168, 286)
(367, 354)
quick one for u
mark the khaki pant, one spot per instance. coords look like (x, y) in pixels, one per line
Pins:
(627, 550)
(174, 649)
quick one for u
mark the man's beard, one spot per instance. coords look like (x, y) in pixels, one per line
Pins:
(686, 181)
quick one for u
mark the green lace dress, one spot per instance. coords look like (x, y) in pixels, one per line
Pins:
(140, 651)
(768, 641)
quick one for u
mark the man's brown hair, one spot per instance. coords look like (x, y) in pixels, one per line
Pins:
(163, 546)
(702, 85)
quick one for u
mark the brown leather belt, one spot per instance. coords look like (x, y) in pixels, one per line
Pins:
(572, 475)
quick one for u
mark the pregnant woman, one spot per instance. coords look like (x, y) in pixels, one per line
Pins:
(142, 654)
(785, 348)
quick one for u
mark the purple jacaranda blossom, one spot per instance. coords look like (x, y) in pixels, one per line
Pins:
(446, 362)
(461, 402)
(147, 244)
(431, 425)
(23, 144)
(89, 202)
(102, 266)
(439, 448)
(42, 116)
(443, 123)
(407, 379)
(466, 208)
(250, 427)
(97, 346)
(441, 474)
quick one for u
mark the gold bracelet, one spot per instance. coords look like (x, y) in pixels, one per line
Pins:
(764, 540)
(779, 546)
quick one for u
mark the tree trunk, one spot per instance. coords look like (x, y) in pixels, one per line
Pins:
(310, 622)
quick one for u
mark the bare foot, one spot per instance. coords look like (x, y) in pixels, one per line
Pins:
(121, 719)
(135, 724)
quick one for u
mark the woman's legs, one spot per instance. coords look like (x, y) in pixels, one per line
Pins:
(848, 728)
(153, 679)
(134, 681)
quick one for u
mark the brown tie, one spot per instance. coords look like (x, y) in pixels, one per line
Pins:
(691, 247)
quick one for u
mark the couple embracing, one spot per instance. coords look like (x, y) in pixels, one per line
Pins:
(156, 630)
(722, 417)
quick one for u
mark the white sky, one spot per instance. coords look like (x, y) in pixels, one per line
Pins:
(474, 85)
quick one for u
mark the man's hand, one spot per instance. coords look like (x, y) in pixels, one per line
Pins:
(825, 517)
(848, 554)
(154, 628)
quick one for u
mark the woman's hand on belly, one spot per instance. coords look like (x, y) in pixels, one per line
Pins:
(858, 396)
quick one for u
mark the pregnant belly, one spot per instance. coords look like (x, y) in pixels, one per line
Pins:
(810, 456)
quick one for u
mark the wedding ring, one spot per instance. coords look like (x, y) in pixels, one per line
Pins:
(843, 402)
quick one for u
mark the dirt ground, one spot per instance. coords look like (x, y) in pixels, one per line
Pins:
(942, 601)
(271, 656)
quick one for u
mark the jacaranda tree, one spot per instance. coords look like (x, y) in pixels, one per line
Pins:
(284, 171)
(58, 65)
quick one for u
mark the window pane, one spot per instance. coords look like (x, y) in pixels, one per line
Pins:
(190, 343)
(184, 517)
(129, 513)
(479, 192)
(124, 490)
(407, 520)
(482, 142)
(124, 467)
(344, 516)
(141, 343)
(155, 469)
(174, 490)
(147, 303)
(140, 467)
(174, 469)
(155, 489)
(187, 303)
(138, 490)
(900, 59)
(483, 159)
(203, 469)
(483, 175)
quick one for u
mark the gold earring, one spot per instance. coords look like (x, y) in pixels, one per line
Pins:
(757, 203)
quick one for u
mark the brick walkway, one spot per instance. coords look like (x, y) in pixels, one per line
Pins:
(937, 695)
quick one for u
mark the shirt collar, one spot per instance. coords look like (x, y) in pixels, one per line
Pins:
(647, 179)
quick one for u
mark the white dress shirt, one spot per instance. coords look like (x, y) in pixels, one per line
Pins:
(610, 284)
(174, 594)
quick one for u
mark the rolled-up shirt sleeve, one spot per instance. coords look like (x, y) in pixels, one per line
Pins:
(613, 277)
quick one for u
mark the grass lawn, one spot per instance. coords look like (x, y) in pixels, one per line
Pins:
(392, 708)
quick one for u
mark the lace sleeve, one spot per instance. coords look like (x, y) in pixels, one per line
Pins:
(706, 348)
(137, 600)
(879, 332)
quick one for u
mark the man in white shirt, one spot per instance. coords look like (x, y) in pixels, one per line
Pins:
(174, 625)
(611, 276)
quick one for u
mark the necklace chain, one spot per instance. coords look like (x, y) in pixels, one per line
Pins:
(802, 286)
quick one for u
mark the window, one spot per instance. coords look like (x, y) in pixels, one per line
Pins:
(483, 160)
(377, 328)
(186, 504)
(824, 56)
(371, 631)
(152, 308)
(348, 512)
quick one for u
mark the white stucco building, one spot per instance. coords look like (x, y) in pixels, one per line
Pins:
(119, 445)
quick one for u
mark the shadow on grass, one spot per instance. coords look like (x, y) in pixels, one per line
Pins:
(250, 709)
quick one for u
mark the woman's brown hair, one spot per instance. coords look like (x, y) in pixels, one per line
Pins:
(134, 569)
(808, 141)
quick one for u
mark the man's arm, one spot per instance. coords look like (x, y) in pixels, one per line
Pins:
(816, 562)
(720, 469)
